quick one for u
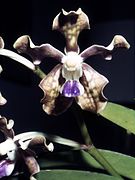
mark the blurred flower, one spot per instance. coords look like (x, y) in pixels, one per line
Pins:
(19, 149)
(72, 78)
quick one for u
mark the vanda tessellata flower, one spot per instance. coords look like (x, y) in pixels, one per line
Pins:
(16, 152)
(71, 78)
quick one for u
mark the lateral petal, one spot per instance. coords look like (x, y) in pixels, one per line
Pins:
(93, 99)
(106, 52)
(24, 44)
(32, 165)
(6, 127)
(53, 102)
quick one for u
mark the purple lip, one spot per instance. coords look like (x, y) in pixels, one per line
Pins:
(6, 168)
(71, 88)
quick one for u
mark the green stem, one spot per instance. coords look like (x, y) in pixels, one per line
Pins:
(96, 154)
(84, 130)
(92, 150)
(39, 72)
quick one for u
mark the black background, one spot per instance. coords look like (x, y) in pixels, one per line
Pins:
(20, 86)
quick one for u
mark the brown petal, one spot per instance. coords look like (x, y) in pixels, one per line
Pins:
(32, 165)
(24, 45)
(40, 140)
(71, 24)
(118, 41)
(6, 127)
(53, 102)
(93, 99)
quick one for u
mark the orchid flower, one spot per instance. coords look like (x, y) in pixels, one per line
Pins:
(71, 78)
(19, 149)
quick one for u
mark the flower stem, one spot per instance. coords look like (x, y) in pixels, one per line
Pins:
(96, 154)
(84, 130)
(92, 150)
(39, 72)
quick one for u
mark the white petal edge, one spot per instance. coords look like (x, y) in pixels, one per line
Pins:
(2, 100)
(50, 147)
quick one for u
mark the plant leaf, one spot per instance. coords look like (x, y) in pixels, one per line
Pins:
(120, 115)
(72, 175)
(124, 164)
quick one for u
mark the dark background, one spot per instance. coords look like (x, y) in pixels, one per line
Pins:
(20, 86)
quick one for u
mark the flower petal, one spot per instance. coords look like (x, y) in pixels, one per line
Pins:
(8, 148)
(27, 139)
(53, 102)
(2, 100)
(41, 140)
(72, 88)
(93, 83)
(24, 44)
(32, 165)
(6, 127)
(118, 41)
(27, 136)
(6, 168)
(71, 24)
